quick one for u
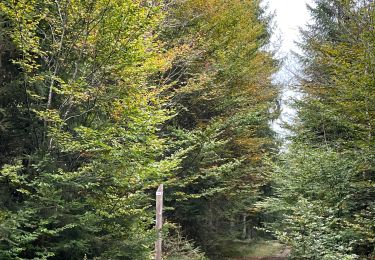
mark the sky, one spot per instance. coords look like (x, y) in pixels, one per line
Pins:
(290, 15)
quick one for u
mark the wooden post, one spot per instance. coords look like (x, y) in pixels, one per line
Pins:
(244, 227)
(159, 221)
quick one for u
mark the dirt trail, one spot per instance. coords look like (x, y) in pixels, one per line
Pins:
(283, 255)
(263, 258)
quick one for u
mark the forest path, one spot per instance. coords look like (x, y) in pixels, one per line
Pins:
(258, 250)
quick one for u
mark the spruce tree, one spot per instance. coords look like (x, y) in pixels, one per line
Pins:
(323, 184)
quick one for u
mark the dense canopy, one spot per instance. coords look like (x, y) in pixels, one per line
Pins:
(103, 100)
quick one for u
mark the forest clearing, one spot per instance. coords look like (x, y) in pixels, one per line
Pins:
(102, 101)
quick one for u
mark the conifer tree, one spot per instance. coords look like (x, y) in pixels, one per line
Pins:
(324, 183)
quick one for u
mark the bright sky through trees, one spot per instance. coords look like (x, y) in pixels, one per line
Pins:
(290, 16)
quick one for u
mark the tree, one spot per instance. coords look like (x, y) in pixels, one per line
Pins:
(319, 203)
(81, 142)
(222, 91)
(324, 183)
(339, 73)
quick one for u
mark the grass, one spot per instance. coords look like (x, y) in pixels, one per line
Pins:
(178, 258)
(252, 248)
(181, 257)
(242, 248)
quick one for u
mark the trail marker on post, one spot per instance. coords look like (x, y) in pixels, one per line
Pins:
(159, 221)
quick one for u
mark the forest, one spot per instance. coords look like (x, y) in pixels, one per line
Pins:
(101, 101)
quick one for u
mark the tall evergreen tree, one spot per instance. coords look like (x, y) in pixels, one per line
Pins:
(324, 184)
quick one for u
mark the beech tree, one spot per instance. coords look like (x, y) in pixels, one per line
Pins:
(80, 117)
(222, 91)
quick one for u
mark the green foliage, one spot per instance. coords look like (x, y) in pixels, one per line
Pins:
(84, 133)
(177, 247)
(339, 72)
(324, 184)
(222, 91)
(101, 100)
(322, 212)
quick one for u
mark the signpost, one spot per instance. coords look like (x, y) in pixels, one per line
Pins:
(159, 221)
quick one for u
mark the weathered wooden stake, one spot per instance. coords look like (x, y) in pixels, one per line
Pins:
(159, 221)
(244, 227)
